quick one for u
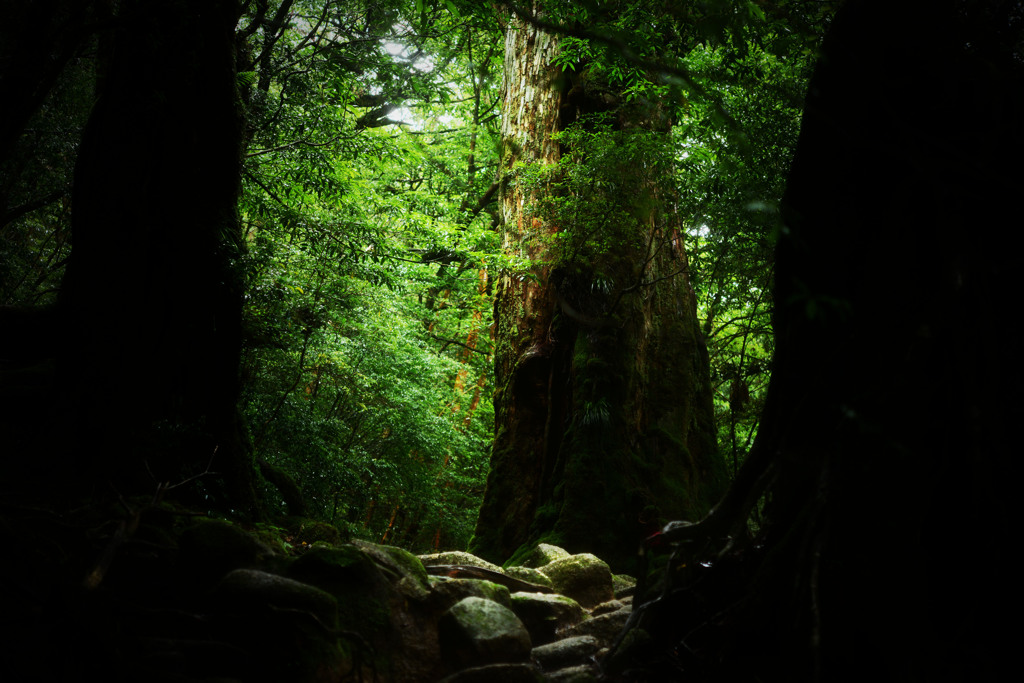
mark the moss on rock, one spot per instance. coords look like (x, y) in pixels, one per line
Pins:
(544, 553)
(585, 578)
(447, 593)
(476, 631)
(211, 548)
(457, 557)
(544, 614)
(405, 568)
(354, 579)
(529, 575)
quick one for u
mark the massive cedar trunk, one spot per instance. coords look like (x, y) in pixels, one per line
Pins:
(151, 292)
(885, 451)
(603, 407)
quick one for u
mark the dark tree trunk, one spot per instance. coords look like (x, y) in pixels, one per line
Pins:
(603, 407)
(884, 455)
(153, 292)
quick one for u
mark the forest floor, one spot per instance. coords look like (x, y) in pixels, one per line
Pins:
(135, 591)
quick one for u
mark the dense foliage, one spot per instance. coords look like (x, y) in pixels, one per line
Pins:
(370, 156)
(367, 315)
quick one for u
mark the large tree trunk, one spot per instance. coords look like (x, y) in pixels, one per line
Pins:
(884, 453)
(152, 291)
(603, 406)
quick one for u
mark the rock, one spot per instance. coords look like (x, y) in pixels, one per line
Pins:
(623, 585)
(565, 652)
(462, 571)
(476, 631)
(212, 548)
(376, 590)
(286, 628)
(545, 614)
(350, 575)
(444, 594)
(544, 554)
(584, 578)
(605, 628)
(529, 575)
(455, 557)
(573, 674)
(630, 649)
(307, 532)
(605, 607)
(408, 573)
(249, 589)
(497, 673)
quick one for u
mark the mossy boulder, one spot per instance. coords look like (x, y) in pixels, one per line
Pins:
(350, 575)
(448, 592)
(405, 569)
(457, 557)
(566, 652)
(252, 589)
(544, 554)
(545, 614)
(475, 632)
(606, 607)
(584, 578)
(582, 673)
(381, 594)
(306, 532)
(336, 570)
(529, 575)
(286, 628)
(606, 627)
(623, 585)
(211, 548)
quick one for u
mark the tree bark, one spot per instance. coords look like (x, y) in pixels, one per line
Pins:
(524, 302)
(884, 456)
(152, 290)
(603, 407)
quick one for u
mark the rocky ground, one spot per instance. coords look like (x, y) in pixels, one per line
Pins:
(213, 602)
(553, 622)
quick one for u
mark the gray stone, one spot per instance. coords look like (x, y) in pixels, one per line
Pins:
(476, 631)
(584, 578)
(544, 554)
(605, 607)
(545, 614)
(565, 652)
(497, 673)
(573, 674)
(457, 557)
(529, 575)
(448, 592)
(605, 627)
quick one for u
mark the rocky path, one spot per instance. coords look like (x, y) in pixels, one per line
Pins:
(214, 602)
(246, 610)
(560, 615)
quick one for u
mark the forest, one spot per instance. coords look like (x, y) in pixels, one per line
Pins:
(318, 290)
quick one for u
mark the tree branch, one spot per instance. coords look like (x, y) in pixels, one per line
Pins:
(457, 343)
(28, 207)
